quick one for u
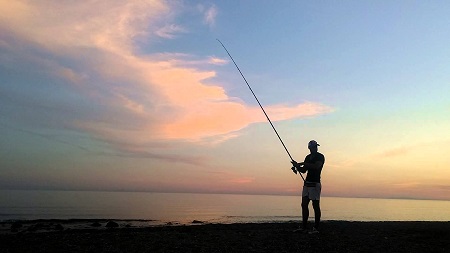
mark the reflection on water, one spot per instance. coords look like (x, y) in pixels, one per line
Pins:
(216, 208)
(363, 209)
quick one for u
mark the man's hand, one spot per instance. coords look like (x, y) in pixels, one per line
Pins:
(302, 169)
(298, 166)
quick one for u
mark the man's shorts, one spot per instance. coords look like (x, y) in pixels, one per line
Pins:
(312, 190)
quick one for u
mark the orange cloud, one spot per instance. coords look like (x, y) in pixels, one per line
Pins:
(412, 147)
(243, 180)
(396, 152)
(214, 118)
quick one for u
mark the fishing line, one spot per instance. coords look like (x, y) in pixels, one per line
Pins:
(264, 111)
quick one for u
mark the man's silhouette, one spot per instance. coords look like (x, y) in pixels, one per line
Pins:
(312, 187)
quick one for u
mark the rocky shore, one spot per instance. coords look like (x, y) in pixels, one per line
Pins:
(123, 236)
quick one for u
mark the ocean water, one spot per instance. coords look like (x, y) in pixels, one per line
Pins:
(183, 208)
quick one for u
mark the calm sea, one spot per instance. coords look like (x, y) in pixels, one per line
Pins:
(183, 208)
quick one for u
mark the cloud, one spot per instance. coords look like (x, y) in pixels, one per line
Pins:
(218, 117)
(242, 180)
(426, 190)
(210, 15)
(396, 152)
(218, 61)
(170, 31)
(341, 164)
(412, 147)
(136, 102)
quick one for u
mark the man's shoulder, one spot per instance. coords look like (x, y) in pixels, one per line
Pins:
(321, 156)
(315, 157)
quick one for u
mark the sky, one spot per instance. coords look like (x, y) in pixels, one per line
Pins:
(134, 95)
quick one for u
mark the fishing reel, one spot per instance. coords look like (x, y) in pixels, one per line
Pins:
(294, 169)
(301, 169)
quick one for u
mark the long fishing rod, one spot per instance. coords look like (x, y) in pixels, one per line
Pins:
(264, 111)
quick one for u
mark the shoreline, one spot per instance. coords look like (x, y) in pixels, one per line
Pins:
(334, 236)
(49, 225)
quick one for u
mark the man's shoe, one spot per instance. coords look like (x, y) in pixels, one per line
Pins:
(313, 231)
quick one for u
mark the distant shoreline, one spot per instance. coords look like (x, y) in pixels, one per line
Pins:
(298, 194)
(334, 236)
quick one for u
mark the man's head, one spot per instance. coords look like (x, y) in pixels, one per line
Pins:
(312, 145)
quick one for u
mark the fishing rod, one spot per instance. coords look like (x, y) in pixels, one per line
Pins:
(264, 111)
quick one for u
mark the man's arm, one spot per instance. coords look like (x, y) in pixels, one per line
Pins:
(315, 166)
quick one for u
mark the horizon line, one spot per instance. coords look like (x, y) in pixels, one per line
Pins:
(218, 192)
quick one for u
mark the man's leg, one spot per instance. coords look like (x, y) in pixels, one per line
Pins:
(305, 211)
(317, 213)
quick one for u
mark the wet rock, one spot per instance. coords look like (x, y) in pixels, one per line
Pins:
(96, 225)
(35, 227)
(197, 222)
(15, 226)
(112, 224)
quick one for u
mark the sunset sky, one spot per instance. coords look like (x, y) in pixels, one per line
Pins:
(134, 95)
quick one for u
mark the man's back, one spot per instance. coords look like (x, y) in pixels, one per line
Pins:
(314, 174)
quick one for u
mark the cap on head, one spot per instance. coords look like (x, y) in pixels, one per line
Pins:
(313, 143)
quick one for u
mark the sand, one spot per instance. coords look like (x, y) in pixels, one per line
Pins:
(334, 236)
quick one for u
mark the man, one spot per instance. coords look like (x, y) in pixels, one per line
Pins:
(313, 164)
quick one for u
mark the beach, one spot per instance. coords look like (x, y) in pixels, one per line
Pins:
(126, 236)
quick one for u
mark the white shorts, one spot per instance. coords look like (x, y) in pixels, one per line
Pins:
(313, 193)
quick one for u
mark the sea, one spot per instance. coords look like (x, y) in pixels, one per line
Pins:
(184, 208)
